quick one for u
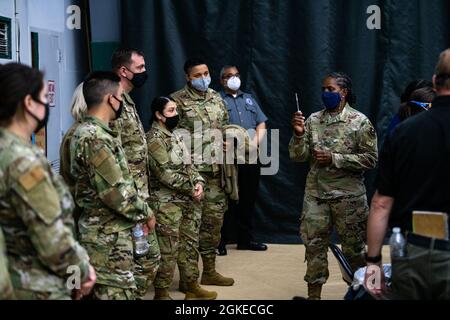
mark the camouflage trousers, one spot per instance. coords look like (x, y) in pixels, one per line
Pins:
(349, 217)
(112, 257)
(178, 226)
(146, 267)
(22, 294)
(101, 292)
(213, 208)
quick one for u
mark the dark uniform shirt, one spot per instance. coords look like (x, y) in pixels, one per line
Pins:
(243, 110)
(414, 164)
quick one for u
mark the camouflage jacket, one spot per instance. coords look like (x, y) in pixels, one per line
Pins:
(171, 179)
(6, 289)
(36, 218)
(352, 141)
(132, 136)
(64, 155)
(105, 189)
(200, 115)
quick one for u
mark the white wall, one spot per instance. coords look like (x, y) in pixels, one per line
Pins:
(49, 16)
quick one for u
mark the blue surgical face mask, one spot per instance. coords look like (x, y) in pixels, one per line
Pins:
(201, 84)
(331, 100)
(424, 105)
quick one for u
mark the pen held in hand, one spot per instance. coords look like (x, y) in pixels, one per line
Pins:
(298, 105)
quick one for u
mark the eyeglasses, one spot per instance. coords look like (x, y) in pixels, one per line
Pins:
(425, 105)
(228, 76)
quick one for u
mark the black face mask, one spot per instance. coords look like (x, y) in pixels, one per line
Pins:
(41, 122)
(172, 122)
(139, 79)
(118, 112)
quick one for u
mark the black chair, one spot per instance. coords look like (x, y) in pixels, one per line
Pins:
(358, 293)
(346, 270)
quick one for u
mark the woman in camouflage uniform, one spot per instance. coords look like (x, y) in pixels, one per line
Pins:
(177, 189)
(340, 145)
(35, 204)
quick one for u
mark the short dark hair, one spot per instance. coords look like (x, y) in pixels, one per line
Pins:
(193, 62)
(226, 67)
(97, 85)
(344, 82)
(16, 82)
(122, 57)
(413, 86)
(158, 104)
(425, 94)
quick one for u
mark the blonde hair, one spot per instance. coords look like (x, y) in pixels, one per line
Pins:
(442, 71)
(78, 106)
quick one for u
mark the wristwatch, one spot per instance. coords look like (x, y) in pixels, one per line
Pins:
(375, 259)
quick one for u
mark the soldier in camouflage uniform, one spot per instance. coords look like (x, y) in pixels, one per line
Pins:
(129, 65)
(105, 191)
(35, 204)
(78, 110)
(6, 289)
(177, 188)
(340, 144)
(202, 111)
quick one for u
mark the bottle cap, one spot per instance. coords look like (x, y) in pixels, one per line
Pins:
(138, 233)
(396, 230)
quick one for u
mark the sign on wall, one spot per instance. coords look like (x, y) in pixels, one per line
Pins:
(51, 93)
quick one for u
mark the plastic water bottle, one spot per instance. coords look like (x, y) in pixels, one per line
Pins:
(397, 243)
(141, 245)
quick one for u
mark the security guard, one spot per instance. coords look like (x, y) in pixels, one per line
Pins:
(243, 111)
(178, 189)
(129, 65)
(340, 144)
(203, 113)
(35, 204)
(106, 191)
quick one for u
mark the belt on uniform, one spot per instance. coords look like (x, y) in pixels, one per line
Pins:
(430, 243)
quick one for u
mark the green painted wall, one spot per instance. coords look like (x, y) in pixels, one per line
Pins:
(101, 54)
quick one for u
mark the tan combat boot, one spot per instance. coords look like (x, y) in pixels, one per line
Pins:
(162, 294)
(314, 291)
(195, 292)
(211, 277)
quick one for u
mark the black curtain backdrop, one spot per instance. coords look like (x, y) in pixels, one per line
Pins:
(287, 46)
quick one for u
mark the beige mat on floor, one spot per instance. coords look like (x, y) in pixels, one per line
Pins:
(275, 274)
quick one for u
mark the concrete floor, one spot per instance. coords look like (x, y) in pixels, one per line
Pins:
(276, 274)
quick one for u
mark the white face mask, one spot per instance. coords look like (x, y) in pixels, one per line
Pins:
(234, 83)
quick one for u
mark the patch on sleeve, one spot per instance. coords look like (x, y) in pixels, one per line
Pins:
(158, 152)
(100, 157)
(40, 194)
(107, 166)
(31, 178)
